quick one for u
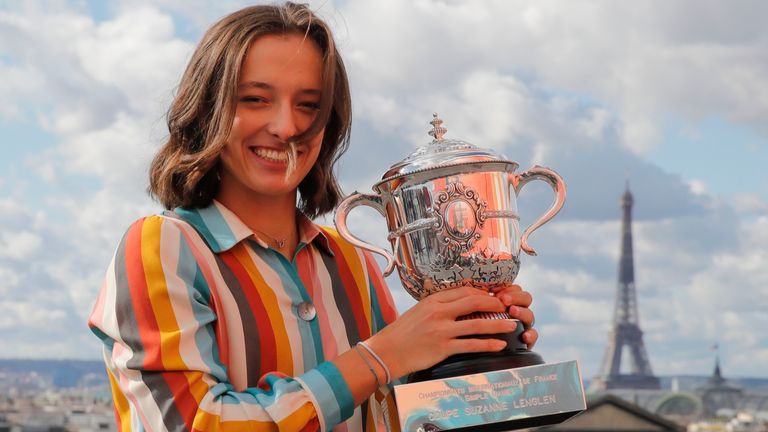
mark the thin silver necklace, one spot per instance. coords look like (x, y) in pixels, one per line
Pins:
(280, 242)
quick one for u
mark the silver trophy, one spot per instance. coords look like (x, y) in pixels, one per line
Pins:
(451, 210)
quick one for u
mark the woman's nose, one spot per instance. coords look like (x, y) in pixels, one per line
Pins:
(283, 122)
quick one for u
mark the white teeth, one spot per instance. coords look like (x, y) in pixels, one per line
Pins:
(271, 154)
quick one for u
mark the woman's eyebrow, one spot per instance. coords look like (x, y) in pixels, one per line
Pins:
(257, 84)
(265, 86)
(312, 91)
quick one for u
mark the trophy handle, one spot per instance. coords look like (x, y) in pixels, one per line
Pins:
(340, 218)
(557, 184)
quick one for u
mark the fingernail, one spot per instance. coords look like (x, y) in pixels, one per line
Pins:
(513, 311)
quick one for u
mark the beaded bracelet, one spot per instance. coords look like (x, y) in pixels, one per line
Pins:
(378, 359)
(370, 367)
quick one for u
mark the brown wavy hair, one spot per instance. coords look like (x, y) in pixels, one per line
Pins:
(185, 171)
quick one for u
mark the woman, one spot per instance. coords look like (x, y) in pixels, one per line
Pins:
(234, 311)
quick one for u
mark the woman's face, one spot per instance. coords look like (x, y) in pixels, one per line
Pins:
(277, 97)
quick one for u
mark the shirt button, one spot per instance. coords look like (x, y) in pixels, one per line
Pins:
(306, 311)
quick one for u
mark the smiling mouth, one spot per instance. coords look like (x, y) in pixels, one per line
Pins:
(272, 155)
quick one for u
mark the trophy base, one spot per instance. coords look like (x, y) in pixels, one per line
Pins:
(514, 355)
(500, 400)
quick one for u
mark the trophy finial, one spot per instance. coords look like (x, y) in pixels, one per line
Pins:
(437, 130)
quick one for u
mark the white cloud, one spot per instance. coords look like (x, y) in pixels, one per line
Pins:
(138, 53)
(647, 68)
(18, 84)
(584, 239)
(81, 284)
(115, 154)
(698, 187)
(106, 85)
(29, 316)
(9, 280)
(19, 245)
(749, 203)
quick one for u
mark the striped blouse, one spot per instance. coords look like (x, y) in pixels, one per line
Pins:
(201, 329)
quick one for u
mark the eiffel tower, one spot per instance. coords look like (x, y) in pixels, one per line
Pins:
(625, 336)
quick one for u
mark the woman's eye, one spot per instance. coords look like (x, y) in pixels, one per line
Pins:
(314, 106)
(253, 99)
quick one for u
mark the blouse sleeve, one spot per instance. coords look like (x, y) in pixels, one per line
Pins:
(156, 318)
(382, 304)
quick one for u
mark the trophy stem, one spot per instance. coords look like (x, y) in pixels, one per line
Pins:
(514, 355)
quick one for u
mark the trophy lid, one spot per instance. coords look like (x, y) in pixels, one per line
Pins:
(442, 152)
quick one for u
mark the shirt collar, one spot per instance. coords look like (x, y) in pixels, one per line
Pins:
(310, 232)
(222, 229)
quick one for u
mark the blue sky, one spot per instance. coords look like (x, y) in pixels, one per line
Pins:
(672, 97)
(696, 152)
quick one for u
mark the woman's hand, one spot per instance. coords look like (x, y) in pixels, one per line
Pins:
(428, 332)
(518, 302)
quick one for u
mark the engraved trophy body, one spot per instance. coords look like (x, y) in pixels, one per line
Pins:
(451, 211)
